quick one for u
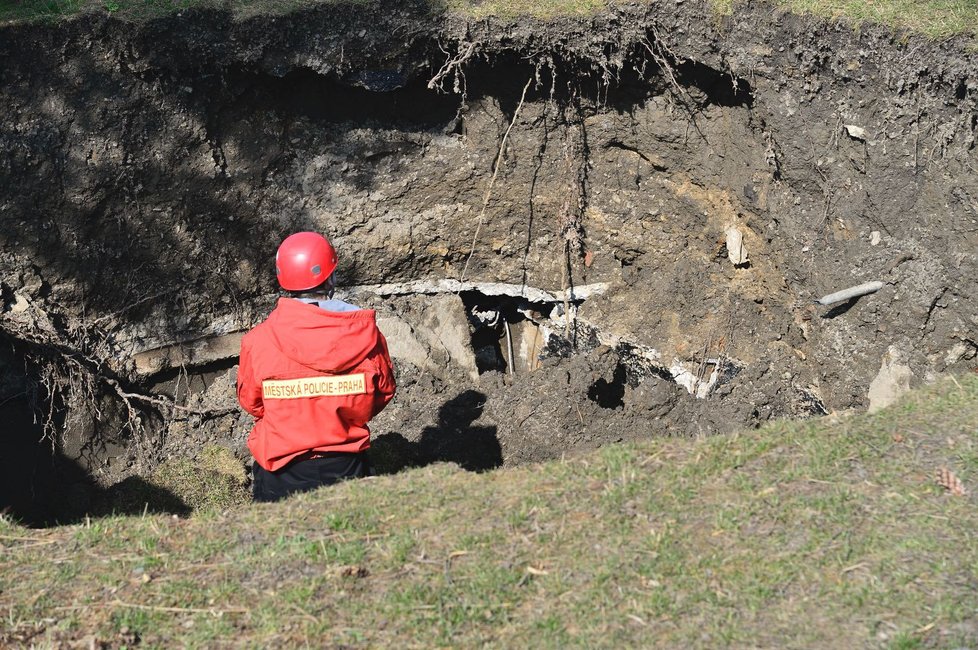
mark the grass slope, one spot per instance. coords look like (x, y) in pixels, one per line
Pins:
(933, 18)
(828, 533)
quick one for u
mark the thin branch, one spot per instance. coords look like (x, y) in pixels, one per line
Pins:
(159, 401)
(158, 608)
(492, 181)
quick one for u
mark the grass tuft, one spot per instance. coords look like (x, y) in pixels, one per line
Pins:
(936, 19)
(215, 480)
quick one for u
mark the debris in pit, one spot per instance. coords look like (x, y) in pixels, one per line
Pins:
(736, 251)
(892, 381)
(706, 376)
(856, 132)
(852, 292)
(506, 333)
(487, 324)
(808, 403)
(698, 378)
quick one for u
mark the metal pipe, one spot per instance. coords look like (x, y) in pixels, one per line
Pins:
(850, 293)
(509, 347)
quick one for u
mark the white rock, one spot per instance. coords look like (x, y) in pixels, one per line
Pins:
(892, 381)
(736, 251)
(21, 304)
(957, 352)
(856, 132)
(688, 379)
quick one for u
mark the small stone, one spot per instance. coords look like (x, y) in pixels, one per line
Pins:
(736, 251)
(856, 132)
(875, 238)
(20, 305)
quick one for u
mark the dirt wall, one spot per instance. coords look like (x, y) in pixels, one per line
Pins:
(150, 170)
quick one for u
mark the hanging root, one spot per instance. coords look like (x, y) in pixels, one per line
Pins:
(72, 363)
(661, 54)
(68, 381)
(453, 66)
(569, 219)
(569, 222)
(492, 180)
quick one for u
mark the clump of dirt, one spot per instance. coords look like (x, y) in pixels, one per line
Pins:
(637, 209)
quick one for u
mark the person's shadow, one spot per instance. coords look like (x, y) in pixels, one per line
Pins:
(452, 440)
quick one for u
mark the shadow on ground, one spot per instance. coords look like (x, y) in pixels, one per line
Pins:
(454, 440)
(40, 486)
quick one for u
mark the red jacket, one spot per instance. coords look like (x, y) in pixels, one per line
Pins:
(312, 379)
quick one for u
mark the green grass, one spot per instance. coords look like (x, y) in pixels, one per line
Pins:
(535, 8)
(825, 533)
(933, 18)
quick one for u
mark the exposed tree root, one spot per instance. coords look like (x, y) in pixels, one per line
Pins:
(492, 180)
(74, 373)
(454, 65)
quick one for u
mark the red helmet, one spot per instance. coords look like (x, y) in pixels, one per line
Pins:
(304, 260)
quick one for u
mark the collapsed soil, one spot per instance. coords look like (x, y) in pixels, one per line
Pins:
(151, 170)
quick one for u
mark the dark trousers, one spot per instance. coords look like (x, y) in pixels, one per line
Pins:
(308, 474)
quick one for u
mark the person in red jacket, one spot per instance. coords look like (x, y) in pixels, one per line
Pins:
(312, 375)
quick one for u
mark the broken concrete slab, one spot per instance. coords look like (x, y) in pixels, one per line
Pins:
(197, 352)
(445, 286)
(433, 338)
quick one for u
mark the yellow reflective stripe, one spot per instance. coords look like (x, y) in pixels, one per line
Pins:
(314, 387)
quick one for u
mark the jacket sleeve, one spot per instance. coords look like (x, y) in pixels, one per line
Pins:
(249, 390)
(385, 386)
